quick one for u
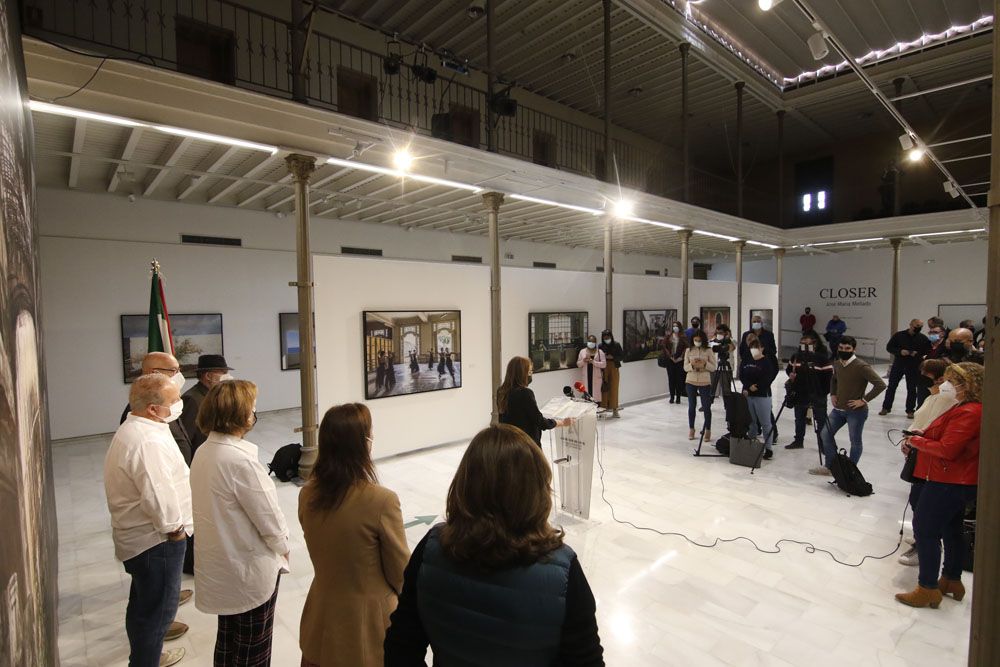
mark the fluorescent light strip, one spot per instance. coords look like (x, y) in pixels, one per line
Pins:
(362, 166)
(549, 202)
(714, 235)
(45, 107)
(217, 138)
(765, 245)
(652, 222)
(958, 231)
(849, 241)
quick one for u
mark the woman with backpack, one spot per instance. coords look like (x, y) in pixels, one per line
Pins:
(353, 530)
(948, 462)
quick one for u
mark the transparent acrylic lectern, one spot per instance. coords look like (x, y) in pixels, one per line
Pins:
(574, 452)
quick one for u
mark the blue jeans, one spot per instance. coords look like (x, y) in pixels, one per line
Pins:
(693, 392)
(152, 600)
(855, 420)
(940, 516)
(760, 413)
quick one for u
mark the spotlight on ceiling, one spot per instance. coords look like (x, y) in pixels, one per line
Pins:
(422, 71)
(915, 155)
(393, 58)
(949, 187)
(502, 104)
(767, 5)
(906, 141)
(817, 45)
(402, 160)
(623, 208)
(477, 9)
(635, 91)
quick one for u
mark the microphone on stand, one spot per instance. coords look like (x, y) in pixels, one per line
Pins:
(568, 391)
(583, 390)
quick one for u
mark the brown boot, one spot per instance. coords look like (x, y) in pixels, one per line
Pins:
(690, 434)
(708, 436)
(921, 597)
(951, 587)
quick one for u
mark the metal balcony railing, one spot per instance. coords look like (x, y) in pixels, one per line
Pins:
(255, 49)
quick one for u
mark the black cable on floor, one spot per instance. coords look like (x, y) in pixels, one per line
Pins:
(810, 548)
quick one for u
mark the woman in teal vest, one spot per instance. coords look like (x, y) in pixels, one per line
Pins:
(495, 585)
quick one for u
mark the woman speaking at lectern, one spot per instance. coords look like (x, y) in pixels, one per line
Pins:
(516, 403)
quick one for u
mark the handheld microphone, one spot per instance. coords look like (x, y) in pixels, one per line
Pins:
(583, 390)
(568, 391)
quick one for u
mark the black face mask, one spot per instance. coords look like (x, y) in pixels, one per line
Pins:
(845, 355)
(529, 381)
(918, 330)
(925, 382)
(957, 347)
(254, 419)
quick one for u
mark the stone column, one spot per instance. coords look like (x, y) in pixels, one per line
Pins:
(894, 313)
(493, 200)
(685, 235)
(739, 296)
(781, 168)
(301, 167)
(608, 275)
(609, 169)
(779, 261)
(685, 48)
(739, 147)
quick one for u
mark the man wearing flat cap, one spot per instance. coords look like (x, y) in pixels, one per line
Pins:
(212, 369)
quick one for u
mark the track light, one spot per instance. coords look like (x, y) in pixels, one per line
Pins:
(622, 208)
(767, 5)
(402, 160)
(906, 141)
(817, 45)
(422, 71)
(502, 104)
(949, 187)
(915, 155)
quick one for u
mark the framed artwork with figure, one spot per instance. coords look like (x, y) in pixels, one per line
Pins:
(766, 316)
(411, 351)
(555, 339)
(643, 332)
(712, 317)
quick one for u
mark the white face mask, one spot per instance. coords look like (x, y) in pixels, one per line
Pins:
(757, 325)
(591, 345)
(719, 336)
(756, 353)
(226, 377)
(697, 343)
(175, 411)
(178, 379)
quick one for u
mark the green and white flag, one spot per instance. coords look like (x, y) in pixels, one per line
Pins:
(160, 339)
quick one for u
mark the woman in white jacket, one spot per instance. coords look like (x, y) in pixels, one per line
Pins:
(699, 362)
(591, 363)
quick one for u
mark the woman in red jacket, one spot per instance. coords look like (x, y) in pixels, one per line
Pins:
(948, 459)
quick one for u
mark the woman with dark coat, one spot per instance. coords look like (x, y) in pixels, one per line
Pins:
(613, 352)
(516, 403)
(948, 461)
(674, 346)
(495, 584)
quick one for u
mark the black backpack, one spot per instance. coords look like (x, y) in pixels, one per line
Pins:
(285, 464)
(847, 477)
(722, 444)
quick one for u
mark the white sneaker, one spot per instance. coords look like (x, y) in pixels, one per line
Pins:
(171, 657)
(910, 557)
(820, 470)
(909, 540)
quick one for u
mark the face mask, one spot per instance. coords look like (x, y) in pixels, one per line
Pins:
(254, 422)
(845, 355)
(719, 336)
(175, 411)
(677, 329)
(925, 382)
(226, 377)
(591, 345)
(933, 337)
(811, 348)
(957, 346)
(803, 348)
(918, 329)
(606, 340)
(808, 311)
(757, 325)
(178, 380)
(756, 353)
(697, 343)
(529, 381)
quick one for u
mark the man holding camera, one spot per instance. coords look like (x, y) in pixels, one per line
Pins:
(723, 347)
(809, 373)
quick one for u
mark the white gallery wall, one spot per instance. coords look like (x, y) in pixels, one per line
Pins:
(949, 273)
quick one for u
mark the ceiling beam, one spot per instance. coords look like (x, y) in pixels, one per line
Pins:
(134, 135)
(172, 154)
(210, 164)
(79, 134)
(284, 182)
(265, 164)
(318, 184)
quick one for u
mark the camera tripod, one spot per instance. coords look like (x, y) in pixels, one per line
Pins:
(723, 381)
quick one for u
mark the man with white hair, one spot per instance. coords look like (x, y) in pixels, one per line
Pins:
(165, 364)
(149, 499)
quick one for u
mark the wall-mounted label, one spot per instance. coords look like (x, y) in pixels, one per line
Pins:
(847, 297)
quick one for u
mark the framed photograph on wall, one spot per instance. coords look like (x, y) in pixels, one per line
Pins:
(766, 316)
(193, 334)
(712, 317)
(288, 339)
(644, 331)
(411, 352)
(555, 339)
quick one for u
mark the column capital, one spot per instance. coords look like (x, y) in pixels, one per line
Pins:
(300, 166)
(779, 252)
(780, 113)
(896, 242)
(740, 85)
(685, 48)
(685, 234)
(739, 243)
(492, 200)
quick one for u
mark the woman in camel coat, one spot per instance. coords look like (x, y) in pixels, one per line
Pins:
(353, 529)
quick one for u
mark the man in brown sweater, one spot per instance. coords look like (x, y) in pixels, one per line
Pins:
(850, 396)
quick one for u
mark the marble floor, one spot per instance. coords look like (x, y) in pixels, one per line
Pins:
(661, 600)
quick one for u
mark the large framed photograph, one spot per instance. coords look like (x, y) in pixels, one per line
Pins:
(644, 331)
(766, 316)
(288, 336)
(555, 339)
(410, 352)
(193, 334)
(712, 317)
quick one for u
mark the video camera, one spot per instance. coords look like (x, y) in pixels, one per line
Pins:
(721, 347)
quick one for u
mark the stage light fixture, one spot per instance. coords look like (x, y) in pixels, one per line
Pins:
(818, 46)
(502, 104)
(915, 155)
(949, 187)
(476, 9)
(623, 208)
(767, 5)
(393, 58)
(422, 70)
(402, 160)
(906, 141)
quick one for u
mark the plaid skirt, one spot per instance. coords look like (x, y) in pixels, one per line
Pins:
(244, 640)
